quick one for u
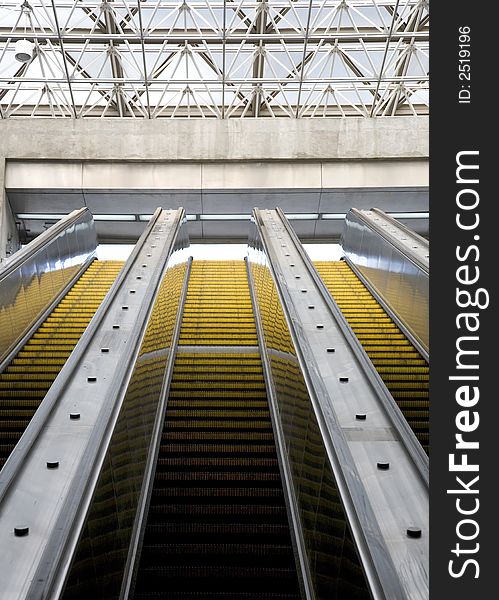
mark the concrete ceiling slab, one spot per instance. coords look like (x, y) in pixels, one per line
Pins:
(195, 231)
(243, 201)
(225, 230)
(141, 202)
(389, 200)
(30, 201)
(115, 233)
(328, 229)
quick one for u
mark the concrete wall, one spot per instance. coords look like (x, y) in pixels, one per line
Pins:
(9, 238)
(307, 154)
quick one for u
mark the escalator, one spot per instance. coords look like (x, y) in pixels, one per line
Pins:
(402, 368)
(26, 380)
(201, 468)
(217, 525)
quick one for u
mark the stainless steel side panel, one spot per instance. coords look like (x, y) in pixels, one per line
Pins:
(94, 383)
(35, 276)
(322, 382)
(394, 264)
(109, 545)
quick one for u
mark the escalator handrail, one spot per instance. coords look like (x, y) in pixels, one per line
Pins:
(415, 341)
(18, 455)
(402, 226)
(40, 242)
(376, 559)
(23, 338)
(296, 528)
(335, 452)
(404, 249)
(397, 312)
(412, 445)
(133, 558)
(61, 539)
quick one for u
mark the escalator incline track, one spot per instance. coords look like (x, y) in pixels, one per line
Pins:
(217, 525)
(27, 379)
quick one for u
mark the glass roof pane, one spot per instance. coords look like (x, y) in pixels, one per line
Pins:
(213, 58)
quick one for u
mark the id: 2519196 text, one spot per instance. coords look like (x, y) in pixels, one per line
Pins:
(464, 65)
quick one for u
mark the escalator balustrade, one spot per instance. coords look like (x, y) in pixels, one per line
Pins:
(403, 370)
(25, 382)
(217, 525)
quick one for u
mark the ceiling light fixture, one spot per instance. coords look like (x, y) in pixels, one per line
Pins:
(333, 216)
(409, 215)
(225, 217)
(302, 216)
(23, 49)
(114, 218)
(39, 216)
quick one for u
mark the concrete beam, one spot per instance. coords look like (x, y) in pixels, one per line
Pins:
(54, 176)
(216, 140)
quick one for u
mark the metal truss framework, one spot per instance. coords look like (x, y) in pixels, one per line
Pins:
(215, 58)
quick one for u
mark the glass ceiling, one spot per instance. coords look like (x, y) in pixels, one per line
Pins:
(213, 59)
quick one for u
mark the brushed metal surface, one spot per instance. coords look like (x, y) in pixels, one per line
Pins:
(394, 263)
(35, 276)
(380, 504)
(54, 503)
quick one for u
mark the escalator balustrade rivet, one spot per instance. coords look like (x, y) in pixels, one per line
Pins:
(104, 349)
(330, 350)
(344, 379)
(52, 464)
(414, 532)
(320, 326)
(21, 531)
(383, 465)
(74, 416)
(91, 379)
(116, 326)
(361, 416)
